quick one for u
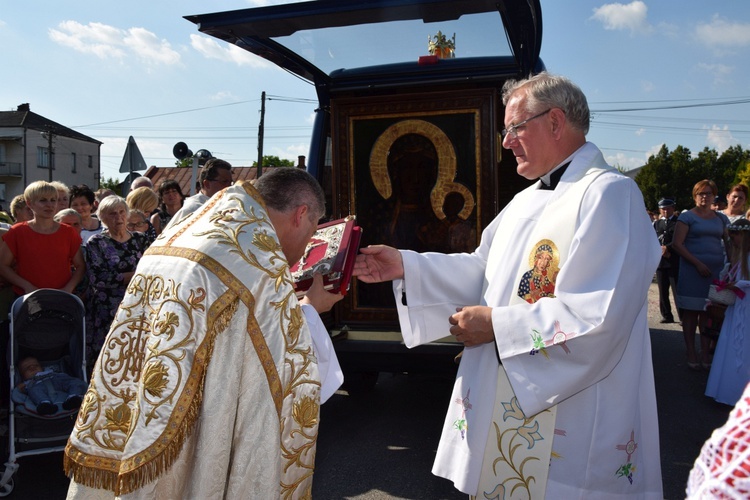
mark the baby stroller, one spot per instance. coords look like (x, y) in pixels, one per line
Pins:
(50, 326)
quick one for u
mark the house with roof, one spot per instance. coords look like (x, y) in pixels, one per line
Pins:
(184, 176)
(34, 148)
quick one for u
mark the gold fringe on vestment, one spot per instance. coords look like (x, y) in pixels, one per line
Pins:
(88, 470)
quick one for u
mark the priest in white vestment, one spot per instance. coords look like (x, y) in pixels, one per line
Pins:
(554, 396)
(209, 383)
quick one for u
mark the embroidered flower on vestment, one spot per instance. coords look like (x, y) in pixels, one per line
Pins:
(512, 410)
(530, 433)
(155, 378)
(118, 418)
(628, 468)
(166, 325)
(305, 412)
(265, 242)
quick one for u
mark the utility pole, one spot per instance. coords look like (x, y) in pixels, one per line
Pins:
(50, 152)
(259, 170)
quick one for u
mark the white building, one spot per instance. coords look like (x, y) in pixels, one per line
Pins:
(34, 148)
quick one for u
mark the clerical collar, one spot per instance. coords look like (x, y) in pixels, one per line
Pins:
(552, 178)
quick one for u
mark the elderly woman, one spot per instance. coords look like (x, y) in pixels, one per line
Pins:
(170, 201)
(19, 210)
(111, 259)
(698, 239)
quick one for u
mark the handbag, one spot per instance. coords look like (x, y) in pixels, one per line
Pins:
(720, 293)
(725, 296)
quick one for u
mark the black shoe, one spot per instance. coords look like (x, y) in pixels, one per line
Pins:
(46, 408)
(73, 402)
(667, 320)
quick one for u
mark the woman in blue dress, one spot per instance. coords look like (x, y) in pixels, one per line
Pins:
(698, 239)
(730, 371)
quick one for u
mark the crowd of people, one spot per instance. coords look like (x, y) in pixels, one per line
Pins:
(706, 263)
(89, 242)
(553, 331)
(707, 246)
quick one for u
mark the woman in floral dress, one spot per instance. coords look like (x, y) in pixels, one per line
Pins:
(111, 259)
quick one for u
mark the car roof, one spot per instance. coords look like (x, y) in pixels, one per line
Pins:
(353, 42)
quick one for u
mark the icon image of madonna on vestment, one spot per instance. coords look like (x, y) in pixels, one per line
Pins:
(539, 281)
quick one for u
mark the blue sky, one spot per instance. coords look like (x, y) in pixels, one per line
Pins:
(113, 69)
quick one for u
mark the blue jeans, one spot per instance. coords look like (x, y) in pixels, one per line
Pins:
(43, 387)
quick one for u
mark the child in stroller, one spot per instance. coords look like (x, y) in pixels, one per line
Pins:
(42, 386)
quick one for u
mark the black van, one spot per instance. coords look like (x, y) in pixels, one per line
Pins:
(408, 141)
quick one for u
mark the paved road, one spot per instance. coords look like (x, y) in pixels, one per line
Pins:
(381, 446)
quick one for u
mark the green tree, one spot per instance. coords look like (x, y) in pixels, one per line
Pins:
(110, 183)
(652, 177)
(673, 174)
(743, 174)
(184, 163)
(731, 162)
(274, 161)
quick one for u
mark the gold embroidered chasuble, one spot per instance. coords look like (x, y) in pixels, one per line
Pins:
(207, 385)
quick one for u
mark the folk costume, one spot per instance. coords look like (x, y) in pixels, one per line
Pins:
(208, 383)
(730, 370)
(571, 411)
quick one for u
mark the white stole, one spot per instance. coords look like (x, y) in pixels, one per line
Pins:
(519, 448)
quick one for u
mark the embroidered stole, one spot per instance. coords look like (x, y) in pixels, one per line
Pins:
(519, 447)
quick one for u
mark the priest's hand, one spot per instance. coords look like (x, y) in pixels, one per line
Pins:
(376, 263)
(472, 325)
(318, 297)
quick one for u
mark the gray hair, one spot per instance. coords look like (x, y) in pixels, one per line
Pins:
(141, 181)
(64, 213)
(545, 90)
(286, 188)
(110, 203)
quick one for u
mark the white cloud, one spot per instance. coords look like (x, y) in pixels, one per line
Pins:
(720, 138)
(723, 34)
(108, 42)
(211, 49)
(310, 120)
(223, 95)
(3, 24)
(624, 161)
(99, 39)
(617, 16)
(640, 131)
(647, 86)
(149, 48)
(290, 152)
(721, 73)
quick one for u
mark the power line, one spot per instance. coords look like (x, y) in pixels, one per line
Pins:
(743, 100)
(708, 99)
(166, 114)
